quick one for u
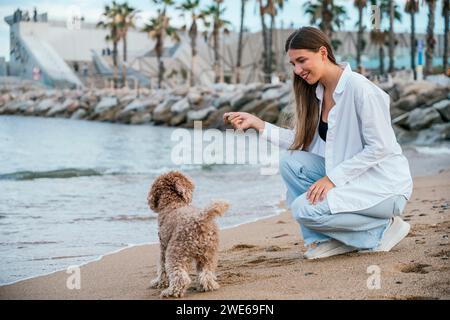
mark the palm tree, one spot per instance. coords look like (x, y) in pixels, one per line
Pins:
(394, 14)
(111, 16)
(272, 8)
(215, 13)
(360, 5)
(157, 29)
(266, 56)
(412, 7)
(430, 38)
(445, 10)
(328, 16)
(127, 16)
(391, 35)
(192, 7)
(378, 36)
(241, 34)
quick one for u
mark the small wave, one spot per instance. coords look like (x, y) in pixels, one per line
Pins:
(52, 174)
(131, 218)
(443, 150)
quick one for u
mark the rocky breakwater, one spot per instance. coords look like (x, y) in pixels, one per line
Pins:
(174, 107)
(420, 110)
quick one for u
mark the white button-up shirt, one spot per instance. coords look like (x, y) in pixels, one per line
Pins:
(362, 156)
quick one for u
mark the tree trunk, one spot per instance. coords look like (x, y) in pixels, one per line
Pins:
(159, 51)
(413, 45)
(430, 38)
(239, 53)
(267, 75)
(124, 68)
(391, 36)
(116, 71)
(359, 36)
(193, 36)
(327, 17)
(381, 55)
(446, 6)
(270, 45)
(216, 53)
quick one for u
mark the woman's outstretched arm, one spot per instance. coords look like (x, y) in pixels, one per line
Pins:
(243, 121)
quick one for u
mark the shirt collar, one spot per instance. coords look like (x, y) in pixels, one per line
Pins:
(341, 83)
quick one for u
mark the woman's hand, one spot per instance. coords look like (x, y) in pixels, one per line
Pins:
(318, 191)
(243, 121)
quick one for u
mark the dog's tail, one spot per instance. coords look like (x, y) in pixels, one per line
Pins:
(215, 209)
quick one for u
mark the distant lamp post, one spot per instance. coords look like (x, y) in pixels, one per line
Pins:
(74, 19)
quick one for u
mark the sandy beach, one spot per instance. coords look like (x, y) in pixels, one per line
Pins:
(263, 260)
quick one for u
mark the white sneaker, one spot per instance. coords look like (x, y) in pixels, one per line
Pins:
(395, 233)
(328, 249)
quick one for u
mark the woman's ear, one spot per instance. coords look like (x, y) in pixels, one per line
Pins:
(323, 52)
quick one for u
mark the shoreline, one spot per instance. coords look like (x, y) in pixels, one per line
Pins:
(280, 210)
(269, 263)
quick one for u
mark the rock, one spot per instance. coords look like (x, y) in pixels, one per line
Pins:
(270, 113)
(438, 132)
(126, 100)
(181, 91)
(18, 107)
(138, 107)
(178, 119)
(215, 119)
(416, 87)
(79, 114)
(409, 103)
(180, 106)
(162, 112)
(443, 107)
(194, 97)
(242, 98)
(223, 100)
(141, 118)
(404, 136)
(420, 119)
(194, 115)
(276, 93)
(60, 108)
(57, 108)
(286, 115)
(43, 106)
(254, 107)
(106, 104)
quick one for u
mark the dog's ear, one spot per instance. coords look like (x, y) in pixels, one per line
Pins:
(184, 187)
(153, 199)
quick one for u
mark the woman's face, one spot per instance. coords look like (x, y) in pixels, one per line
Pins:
(308, 64)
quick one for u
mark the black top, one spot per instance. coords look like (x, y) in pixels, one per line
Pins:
(323, 128)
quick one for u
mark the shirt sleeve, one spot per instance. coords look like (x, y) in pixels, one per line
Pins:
(280, 137)
(378, 137)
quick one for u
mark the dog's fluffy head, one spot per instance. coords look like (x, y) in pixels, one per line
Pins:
(172, 188)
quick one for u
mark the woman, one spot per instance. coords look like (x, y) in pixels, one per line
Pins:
(346, 177)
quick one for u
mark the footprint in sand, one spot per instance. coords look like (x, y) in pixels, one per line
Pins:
(414, 268)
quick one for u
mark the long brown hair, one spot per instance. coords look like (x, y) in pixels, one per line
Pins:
(307, 104)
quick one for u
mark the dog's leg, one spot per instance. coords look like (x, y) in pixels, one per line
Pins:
(179, 281)
(206, 277)
(161, 281)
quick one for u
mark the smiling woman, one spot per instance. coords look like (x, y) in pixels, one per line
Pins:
(346, 176)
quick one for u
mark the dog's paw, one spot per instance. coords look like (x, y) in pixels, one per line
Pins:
(171, 293)
(159, 284)
(209, 286)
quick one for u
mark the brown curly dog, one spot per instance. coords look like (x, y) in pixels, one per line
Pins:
(185, 234)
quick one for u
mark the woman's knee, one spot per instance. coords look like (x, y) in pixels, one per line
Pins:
(304, 212)
(291, 163)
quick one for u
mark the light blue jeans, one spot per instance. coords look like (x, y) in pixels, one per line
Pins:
(361, 229)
